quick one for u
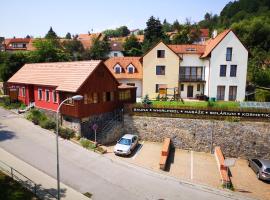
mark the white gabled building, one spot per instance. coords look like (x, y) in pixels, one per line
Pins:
(217, 68)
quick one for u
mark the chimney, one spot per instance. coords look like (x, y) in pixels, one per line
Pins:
(214, 34)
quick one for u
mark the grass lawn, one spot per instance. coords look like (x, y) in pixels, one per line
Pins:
(197, 104)
(11, 190)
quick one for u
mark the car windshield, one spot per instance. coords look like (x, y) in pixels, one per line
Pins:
(124, 141)
(267, 170)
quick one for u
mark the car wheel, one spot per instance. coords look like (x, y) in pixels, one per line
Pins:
(249, 164)
(258, 176)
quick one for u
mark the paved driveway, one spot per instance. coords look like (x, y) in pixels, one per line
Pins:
(86, 171)
(204, 168)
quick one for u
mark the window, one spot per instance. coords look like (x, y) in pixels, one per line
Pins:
(198, 87)
(39, 94)
(233, 70)
(47, 95)
(158, 86)
(23, 91)
(257, 162)
(220, 92)
(70, 101)
(54, 96)
(223, 69)
(131, 84)
(124, 95)
(232, 93)
(229, 54)
(111, 96)
(95, 97)
(107, 96)
(115, 54)
(161, 53)
(130, 69)
(160, 70)
(182, 87)
(118, 69)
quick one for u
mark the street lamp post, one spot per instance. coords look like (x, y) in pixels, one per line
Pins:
(75, 98)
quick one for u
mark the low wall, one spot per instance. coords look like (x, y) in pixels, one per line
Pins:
(236, 139)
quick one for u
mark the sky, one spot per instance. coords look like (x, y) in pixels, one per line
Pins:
(34, 17)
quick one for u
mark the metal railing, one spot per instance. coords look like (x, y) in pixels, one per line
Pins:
(26, 182)
(189, 77)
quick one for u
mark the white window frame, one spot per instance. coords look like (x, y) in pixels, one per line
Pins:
(22, 91)
(54, 94)
(47, 100)
(133, 69)
(40, 97)
(117, 66)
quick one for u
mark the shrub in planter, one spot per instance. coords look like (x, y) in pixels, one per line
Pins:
(66, 133)
(84, 142)
(48, 124)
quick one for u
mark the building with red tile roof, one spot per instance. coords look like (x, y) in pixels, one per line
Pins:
(46, 85)
(127, 70)
(216, 69)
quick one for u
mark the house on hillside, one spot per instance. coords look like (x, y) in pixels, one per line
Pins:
(87, 39)
(217, 69)
(127, 70)
(16, 44)
(116, 49)
(48, 84)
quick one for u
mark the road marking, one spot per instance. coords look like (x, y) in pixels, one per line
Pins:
(191, 165)
(138, 151)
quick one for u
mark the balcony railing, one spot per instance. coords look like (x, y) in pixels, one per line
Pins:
(191, 78)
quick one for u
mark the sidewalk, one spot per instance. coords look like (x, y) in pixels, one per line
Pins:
(39, 177)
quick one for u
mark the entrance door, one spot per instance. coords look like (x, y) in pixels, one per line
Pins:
(190, 91)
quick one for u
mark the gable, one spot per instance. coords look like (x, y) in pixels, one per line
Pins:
(152, 53)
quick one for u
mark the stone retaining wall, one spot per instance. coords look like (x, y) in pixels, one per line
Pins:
(236, 139)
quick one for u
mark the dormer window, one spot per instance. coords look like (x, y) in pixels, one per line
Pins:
(118, 69)
(131, 69)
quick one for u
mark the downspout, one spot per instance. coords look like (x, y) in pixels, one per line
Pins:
(209, 78)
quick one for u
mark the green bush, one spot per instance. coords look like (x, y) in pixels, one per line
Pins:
(8, 104)
(88, 194)
(262, 95)
(84, 142)
(87, 143)
(36, 116)
(48, 124)
(66, 133)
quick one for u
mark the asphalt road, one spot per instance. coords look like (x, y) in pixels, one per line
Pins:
(87, 171)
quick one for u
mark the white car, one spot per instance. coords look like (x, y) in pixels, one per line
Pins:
(126, 144)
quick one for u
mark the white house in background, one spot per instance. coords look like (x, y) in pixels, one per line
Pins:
(127, 70)
(116, 49)
(217, 69)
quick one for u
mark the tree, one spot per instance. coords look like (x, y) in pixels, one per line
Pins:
(167, 27)
(132, 47)
(153, 33)
(68, 36)
(123, 31)
(99, 50)
(51, 34)
(49, 50)
(187, 35)
(74, 48)
(11, 62)
(28, 36)
(176, 25)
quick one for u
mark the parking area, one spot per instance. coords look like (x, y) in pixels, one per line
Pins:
(188, 165)
(246, 182)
